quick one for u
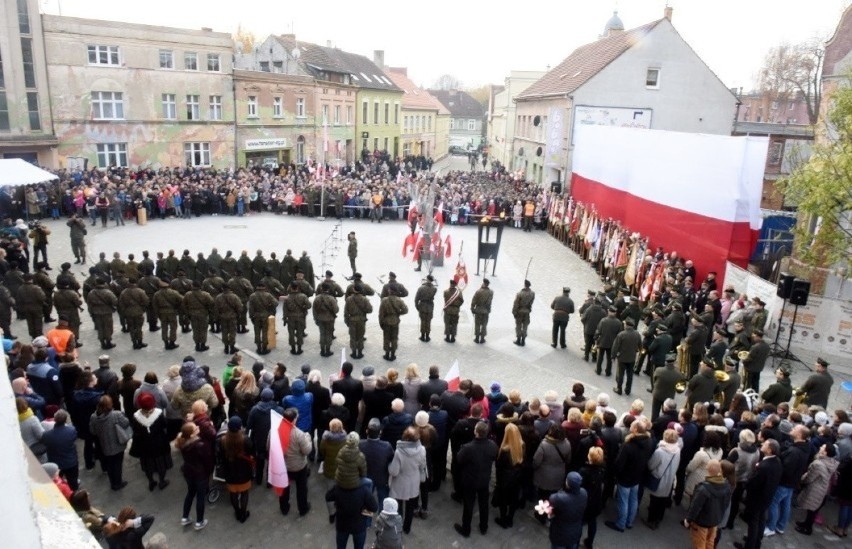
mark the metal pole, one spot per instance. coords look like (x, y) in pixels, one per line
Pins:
(790, 335)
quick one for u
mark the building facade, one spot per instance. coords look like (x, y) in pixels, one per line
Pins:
(501, 114)
(467, 118)
(762, 108)
(647, 77)
(420, 110)
(125, 94)
(26, 126)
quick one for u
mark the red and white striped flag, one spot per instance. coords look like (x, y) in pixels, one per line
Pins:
(279, 441)
(453, 377)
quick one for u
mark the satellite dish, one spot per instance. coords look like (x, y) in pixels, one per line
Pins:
(296, 53)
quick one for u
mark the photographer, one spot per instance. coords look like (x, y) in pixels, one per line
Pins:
(38, 234)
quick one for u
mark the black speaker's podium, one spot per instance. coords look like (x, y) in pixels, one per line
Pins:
(489, 243)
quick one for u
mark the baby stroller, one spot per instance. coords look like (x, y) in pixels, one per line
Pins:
(218, 482)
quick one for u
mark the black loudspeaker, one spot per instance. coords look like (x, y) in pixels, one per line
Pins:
(785, 285)
(800, 291)
(556, 187)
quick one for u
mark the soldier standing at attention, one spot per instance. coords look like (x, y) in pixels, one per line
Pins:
(424, 302)
(228, 307)
(214, 285)
(68, 277)
(118, 284)
(146, 264)
(355, 313)
(167, 304)
(31, 300)
(68, 304)
(242, 289)
(453, 300)
(400, 289)
(521, 311)
(307, 267)
(89, 283)
(244, 264)
(562, 307)
(228, 266)
(202, 268)
(102, 303)
(214, 263)
(43, 281)
(182, 285)
(607, 329)
(288, 268)
(304, 286)
(117, 265)
(334, 288)
(198, 305)
(391, 308)
(352, 251)
(273, 285)
(366, 289)
(261, 306)
(325, 311)
(258, 267)
(188, 265)
(132, 304)
(131, 268)
(480, 306)
(102, 267)
(78, 238)
(296, 306)
(171, 264)
(150, 284)
(273, 269)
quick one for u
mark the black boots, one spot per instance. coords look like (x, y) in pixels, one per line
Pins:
(153, 327)
(357, 354)
(521, 341)
(325, 351)
(107, 344)
(390, 355)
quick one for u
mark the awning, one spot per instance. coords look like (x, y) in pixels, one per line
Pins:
(16, 172)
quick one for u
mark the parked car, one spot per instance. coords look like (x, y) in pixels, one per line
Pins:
(458, 151)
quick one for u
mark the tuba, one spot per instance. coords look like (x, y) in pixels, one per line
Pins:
(721, 377)
(682, 363)
(798, 398)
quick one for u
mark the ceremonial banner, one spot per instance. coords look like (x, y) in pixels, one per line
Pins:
(695, 194)
(453, 377)
(555, 137)
(279, 441)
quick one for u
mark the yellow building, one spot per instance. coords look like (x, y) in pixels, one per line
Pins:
(419, 116)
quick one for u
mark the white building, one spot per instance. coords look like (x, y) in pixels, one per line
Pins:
(501, 114)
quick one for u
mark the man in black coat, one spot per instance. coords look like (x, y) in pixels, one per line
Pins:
(605, 334)
(476, 459)
(352, 390)
(349, 518)
(378, 454)
(462, 433)
(590, 318)
(432, 386)
(456, 403)
(760, 490)
(794, 461)
(625, 349)
(756, 359)
(666, 379)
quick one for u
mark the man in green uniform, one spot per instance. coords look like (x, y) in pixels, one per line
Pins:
(563, 308)
(131, 268)
(68, 304)
(304, 286)
(261, 305)
(30, 300)
(366, 289)
(146, 264)
(521, 311)
(214, 262)
(400, 290)
(480, 306)
(391, 308)
(78, 238)
(424, 302)
(171, 264)
(352, 250)
(198, 305)
(89, 283)
(273, 265)
(273, 285)
(116, 265)
(182, 284)
(118, 284)
(289, 264)
(244, 264)
(65, 275)
(187, 265)
(228, 266)
(150, 284)
(334, 288)
(102, 267)
(296, 306)
(202, 268)
(228, 308)
(160, 269)
(214, 285)
(307, 267)
(325, 311)
(102, 304)
(132, 304)
(258, 267)
(453, 300)
(243, 289)
(43, 281)
(355, 313)
(167, 305)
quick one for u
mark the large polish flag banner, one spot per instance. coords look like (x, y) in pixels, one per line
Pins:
(696, 194)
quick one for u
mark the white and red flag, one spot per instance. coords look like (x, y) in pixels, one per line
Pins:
(453, 378)
(279, 441)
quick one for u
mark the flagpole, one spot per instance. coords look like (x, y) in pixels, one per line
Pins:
(322, 178)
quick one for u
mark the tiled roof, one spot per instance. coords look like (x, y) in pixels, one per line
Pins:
(585, 62)
(460, 104)
(413, 97)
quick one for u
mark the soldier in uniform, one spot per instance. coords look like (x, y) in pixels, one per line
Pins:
(131, 268)
(78, 238)
(7, 303)
(187, 265)
(730, 387)
(67, 277)
(102, 267)
(214, 263)
(273, 285)
(171, 264)
(756, 360)
(228, 266)
(608, 328)
(521, 311)
(676, 323)
(228, 308)
(182, 284)
(261, 305)
(150, 284)
(480, 306)
(366, 289)
(352, 250)
(102, 304)
(355, 316)
(632, 311)
(274, 267)
(198, 305)
(648, 336)
(214, 285)
(43, 281)
(289, 265)
(243, 289)
(391, 308)
(304, 286)
(562, 307)
(116, 265)
(695, 342)
(424, 302)
(296, 306)
(659, 348)
(31, 300)
(244, 265)
(258, 267)
(146, 266)
(453, 300)
(817, 387)
(665, 380)
(160, 269)
(167, 304)
(740, 340)
(334, 288)
(132, 304)
(325, 310)
(400, 289)
(202, 268)
(118, 285)
(13, 280)
(90, 282)
(307, 267)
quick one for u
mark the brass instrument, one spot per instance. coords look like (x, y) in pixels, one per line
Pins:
(721, 377)
(682, 363)
(742, 355)
(798, 398)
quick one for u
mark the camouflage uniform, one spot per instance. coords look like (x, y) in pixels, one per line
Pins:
(102, 304)
(325, 310)
(167, 304)
(521, 311)
(453, 300)
(228, 308)
(242, 289)
(30, 301)
(355, 317)
(480, 306)
(198, 305)
(132, 304)
(391, 308)
(296, 305)
(424, 302)
(261, 305)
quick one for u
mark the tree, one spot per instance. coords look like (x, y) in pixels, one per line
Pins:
(794, 69)
(481, 94)
(822, 189)
(244, 40)
(447, 82)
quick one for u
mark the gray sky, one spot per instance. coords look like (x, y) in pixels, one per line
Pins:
(481, 42)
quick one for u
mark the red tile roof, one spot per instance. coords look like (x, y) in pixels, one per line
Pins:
(413, 97)
(585, 62)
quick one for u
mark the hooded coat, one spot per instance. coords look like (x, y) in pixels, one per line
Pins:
(569, 507)
(301, 401)
(404, 469)
(193, 386)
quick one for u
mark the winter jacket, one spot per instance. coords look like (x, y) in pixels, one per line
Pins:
(349, 505)
(160, 399)
(44, 379)
(744, 457)
(61, 446)
(330, 445)
(103, 427)
(182, 400)
(32, 432)
(566, 524)
(593, 483)
(83, 404)
(241, 469)
(663, 465)
(709, 502)
(302, 402)
(411, 387)
(259, 422)
(633, 459)
(351, 466)
(550, 463)
(815, 483)
(150, 437)
(795, 459)
(404, 470)
(475, 461)
(198, 459)
(300, 446)
(388, 531)
(696, 470)
(321, 403)
(394, 425)
(378, 454)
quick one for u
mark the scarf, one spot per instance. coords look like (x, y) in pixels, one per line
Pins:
(26, 414)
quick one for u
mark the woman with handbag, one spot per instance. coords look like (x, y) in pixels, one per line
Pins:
(112, 430)
(407, 470)
(662, 468)
(238, 465)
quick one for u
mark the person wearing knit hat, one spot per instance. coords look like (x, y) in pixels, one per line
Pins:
(258, 424)
(566, 512)
(52, 472)
(389, 525)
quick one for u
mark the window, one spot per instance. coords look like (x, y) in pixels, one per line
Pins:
(364, 108)
(169, 106)
(336, 115)
(278, 66)
(23, 16)
(471, 125)
(325, 114)
(387, 114)
(429, 123)
(300, 107)
(300, 149)
(107, 106)
(32, 110)
(264, 66)
(167, 59)
(396, 113)
(652, 79)
(416, 123)
(193, 111)
(215, 107)
(190, 61)
(196, 154)
(375, 143)
(386, 144)
(4, 112)
(452, 124)
(277, 107)
(29, 66)
(112, 154)
(405, 124)
(252, 106)
(376, 114)
(213, 64)
(348, 114)
(104, 55)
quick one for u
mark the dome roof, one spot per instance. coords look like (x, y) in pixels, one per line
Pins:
(614, 23)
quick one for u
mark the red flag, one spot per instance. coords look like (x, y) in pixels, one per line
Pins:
(279, 441)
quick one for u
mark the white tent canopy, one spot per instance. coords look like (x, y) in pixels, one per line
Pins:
(16, 172)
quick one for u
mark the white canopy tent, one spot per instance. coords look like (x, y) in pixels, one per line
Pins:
(15, 172)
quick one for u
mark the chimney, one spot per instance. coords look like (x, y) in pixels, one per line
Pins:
(328, 44)
(379, 58)
(288, 36)
(667, 12)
